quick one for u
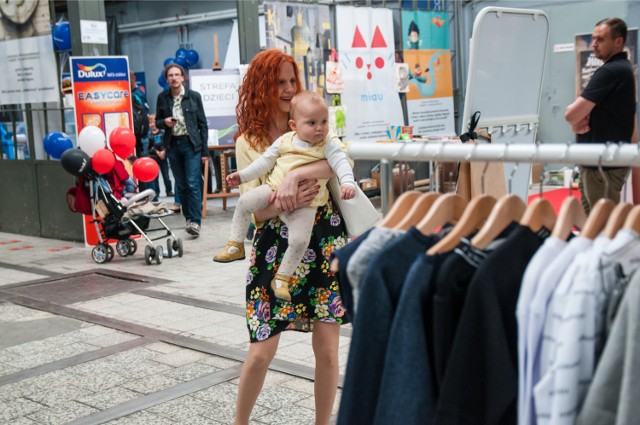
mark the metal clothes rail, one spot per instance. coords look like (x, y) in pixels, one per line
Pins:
(606, 155)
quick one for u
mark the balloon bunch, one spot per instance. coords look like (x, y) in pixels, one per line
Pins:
(185, 58)
(93, 154)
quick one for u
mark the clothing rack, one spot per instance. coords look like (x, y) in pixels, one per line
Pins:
(606, 155)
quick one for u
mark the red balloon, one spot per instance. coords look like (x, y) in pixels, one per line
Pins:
(145, 169)
(103, 161)
(122, 141)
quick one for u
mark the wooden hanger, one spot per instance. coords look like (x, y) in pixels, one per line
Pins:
(597, 218)
(616, 219)
(539, 214)
(509, 208)
(633, 219)
(473, 217)
(399, 209)
(571, 215)
(448, 208)
(418, 210)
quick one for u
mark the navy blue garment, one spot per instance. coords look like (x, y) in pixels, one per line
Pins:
(381, 287)
(480, 385)
(407, 367)
(344, 255)
(452, 284)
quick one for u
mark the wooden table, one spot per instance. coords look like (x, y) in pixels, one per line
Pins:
(226, 153)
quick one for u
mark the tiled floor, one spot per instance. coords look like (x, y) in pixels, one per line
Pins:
(163, 345)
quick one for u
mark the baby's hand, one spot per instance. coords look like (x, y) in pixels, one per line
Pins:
(348, 191)
(233, 180)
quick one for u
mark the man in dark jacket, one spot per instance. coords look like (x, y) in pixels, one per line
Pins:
(179, 112)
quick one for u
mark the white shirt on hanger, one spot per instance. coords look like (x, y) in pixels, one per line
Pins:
(578, 306)
(545, 255)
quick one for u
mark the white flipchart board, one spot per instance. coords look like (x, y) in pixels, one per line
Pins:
(507, 56)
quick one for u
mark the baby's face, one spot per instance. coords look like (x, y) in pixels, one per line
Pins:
(312, 122)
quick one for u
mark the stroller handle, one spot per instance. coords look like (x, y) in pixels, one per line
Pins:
(143, 197)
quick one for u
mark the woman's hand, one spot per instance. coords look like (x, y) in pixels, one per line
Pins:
(306, 190)
(285, 197)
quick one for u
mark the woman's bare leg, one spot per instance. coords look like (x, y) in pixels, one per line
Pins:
(326, 338)
(252, 375)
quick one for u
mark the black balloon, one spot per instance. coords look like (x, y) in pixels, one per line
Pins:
(76, 162)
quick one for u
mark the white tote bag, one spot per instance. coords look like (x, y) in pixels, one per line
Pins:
(358, 212)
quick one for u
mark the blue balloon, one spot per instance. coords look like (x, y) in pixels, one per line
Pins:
(162, 82)
(181, 53)
(55, 143)
(182, 62)
(62, 36)
(167, 61)
(192, 57)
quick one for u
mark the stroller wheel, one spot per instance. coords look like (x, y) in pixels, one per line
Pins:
(133, 246)
(110, 252)
(170, 247)
(159, 254)
(148, 254)
(178, 245)
(100, 254)
(122, 248)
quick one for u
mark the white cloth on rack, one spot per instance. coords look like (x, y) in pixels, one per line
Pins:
(551, 276)
(578, 307)
(549, 250)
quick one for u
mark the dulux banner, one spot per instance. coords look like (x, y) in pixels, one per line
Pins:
(101, 92)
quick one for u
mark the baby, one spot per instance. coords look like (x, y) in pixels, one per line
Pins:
(308, 142)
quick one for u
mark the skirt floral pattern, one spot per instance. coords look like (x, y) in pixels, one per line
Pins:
(315, 295)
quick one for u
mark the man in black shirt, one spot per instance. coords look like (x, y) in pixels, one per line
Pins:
(605, 111)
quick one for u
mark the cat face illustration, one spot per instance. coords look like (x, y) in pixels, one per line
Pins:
(377, 42)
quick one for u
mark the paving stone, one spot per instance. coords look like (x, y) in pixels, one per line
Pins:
(191, 371)
(300, 385)
(221, 394)
(219, 362)
(275, 398)
(151, 384)
(111, 339)
(109, 398)
(62, 414)
(100, 382)
(52, 379)
(162, 347)
(180, 358)
(13, 409)
(56, 396)
(289, 415)
(181, 407)
(97, 330)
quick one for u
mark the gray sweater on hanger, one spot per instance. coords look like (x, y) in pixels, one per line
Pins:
(613, 396)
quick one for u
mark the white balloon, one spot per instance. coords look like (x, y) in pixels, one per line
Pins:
(91, 139)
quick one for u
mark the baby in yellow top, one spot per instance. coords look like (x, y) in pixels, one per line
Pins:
(308, 142)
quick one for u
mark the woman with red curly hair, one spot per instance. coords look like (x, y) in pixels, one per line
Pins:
(263, 114)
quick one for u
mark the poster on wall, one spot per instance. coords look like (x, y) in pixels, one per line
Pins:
(219, 91)
(101, 92)
(27, 57)
(587, 63)
(366, 58)
(303, 31)
(430, 95)
(430, 84)
(424, 30)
